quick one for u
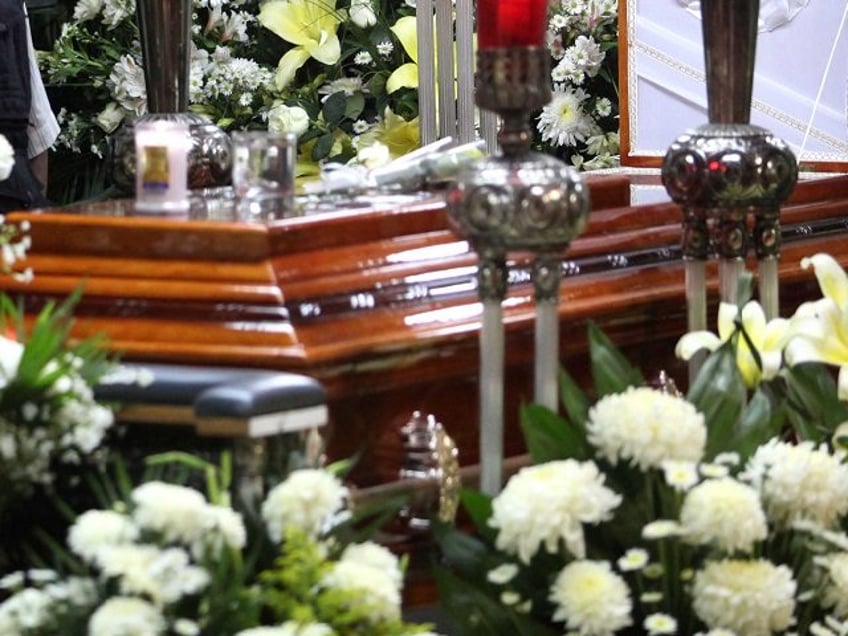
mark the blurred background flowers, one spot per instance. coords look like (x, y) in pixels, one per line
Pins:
(341, 74)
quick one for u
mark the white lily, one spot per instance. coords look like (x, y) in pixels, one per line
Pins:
(821, 327)
(308, 24)
(767, 337)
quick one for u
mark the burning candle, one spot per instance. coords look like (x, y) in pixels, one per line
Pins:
(511, 23)
(161, 150)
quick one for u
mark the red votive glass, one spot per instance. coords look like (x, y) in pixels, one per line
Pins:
(511, 23)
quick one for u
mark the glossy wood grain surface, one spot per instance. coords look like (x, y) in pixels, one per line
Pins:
(381, 305)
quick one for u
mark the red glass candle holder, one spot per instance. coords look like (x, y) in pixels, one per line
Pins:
(511, 23)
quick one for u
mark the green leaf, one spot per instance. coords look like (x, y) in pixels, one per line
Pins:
(334, 109)
(377, 84)
(323, 147)
(549, 437)
(611, 371)
(478, 505)
(813, 405)
(719, 393)
(760, 421)
(474, 613)
(574, 400)
(354, 105)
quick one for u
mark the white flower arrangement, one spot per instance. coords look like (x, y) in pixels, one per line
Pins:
(49, 417)
(731, 503)
(342, 75)
(158, 562)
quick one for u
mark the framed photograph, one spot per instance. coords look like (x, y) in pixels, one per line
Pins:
(800, 90)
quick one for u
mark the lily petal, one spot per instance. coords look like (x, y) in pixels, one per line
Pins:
(727, 313)
(833, 280)
(695, 341)
(289, 64)
(405, 76)
(406, 31)
(842, 383)
(327, 50)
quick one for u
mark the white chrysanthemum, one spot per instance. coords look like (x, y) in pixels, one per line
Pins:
(26, 611)
(646, 427)
(289, 628)
(799, 481)
(725, 512)
(549, 502)
(127, 617)
(591, 598)
(377, 591)
(375, 556)
(7, 158)
(562, 121)
(502, 574)
(95, 529)
(836, 592)
(223, 527)
(680, 475)
(660, 624)
(755, 598)
(308, 499)
(633, 559)
(661, 529)
(177, 512)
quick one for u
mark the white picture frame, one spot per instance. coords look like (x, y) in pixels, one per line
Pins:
(800, 90)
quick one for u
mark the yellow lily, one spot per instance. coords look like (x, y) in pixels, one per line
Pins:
(406, 75)
(308, 24)
(394, 132)
(768, 338)
(821, 326)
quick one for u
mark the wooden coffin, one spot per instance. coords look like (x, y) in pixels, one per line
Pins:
(380, 303)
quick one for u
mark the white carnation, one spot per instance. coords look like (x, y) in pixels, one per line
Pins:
(549, 502)
(308, 499)
(124, 616)
(591, 598)
(177, 512)
(377, 589)
(375, 556)
(725, 512)
(836, 591)
(799, 482)
(95, 529)
(755, 598)
(647, 428)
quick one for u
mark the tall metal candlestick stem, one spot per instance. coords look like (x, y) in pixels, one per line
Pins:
(523, 201)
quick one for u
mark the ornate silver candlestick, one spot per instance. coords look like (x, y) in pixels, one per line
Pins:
(523, 201)
(728, 168)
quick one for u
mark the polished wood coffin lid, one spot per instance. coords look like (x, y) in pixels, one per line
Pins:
(381, 304)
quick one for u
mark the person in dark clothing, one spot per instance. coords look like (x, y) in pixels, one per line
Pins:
(25, 116)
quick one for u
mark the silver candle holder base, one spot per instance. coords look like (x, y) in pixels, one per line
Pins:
(516, 201)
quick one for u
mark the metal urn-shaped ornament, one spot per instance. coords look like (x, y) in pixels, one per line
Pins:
(165, 28)
(727, 170)
(518, 200)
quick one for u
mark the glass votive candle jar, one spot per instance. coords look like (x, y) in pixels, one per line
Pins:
(161, 151)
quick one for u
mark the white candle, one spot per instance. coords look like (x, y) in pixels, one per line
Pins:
(161, 150)
(491, 397)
